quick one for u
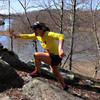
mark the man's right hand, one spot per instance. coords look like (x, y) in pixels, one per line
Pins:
(14, 35)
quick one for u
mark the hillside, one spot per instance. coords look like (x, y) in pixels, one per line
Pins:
(52, 20)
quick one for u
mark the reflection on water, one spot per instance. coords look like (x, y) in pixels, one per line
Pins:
(5, 41)
(23, 48)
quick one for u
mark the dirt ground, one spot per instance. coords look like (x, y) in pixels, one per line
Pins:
(86, 68)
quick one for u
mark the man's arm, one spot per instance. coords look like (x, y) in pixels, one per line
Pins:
(60, 47)
(14, 35)
(23, 36)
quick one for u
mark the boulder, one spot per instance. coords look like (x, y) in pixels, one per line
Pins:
(13, 60)
(40, 89)
(6, 71)
(9, 61)
(5, 98)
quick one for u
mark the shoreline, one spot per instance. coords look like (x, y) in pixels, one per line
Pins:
(4, 32)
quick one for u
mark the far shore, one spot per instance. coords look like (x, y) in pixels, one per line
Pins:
(4, 32)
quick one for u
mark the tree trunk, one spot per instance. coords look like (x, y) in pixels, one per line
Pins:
(72, 33)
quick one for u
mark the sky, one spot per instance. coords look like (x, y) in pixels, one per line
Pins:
(17, 8)
(4, 6)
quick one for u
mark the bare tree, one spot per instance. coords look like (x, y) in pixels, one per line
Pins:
(57, 17)
(73, 31)
(94, 28)
(9, 25)
(25, 9)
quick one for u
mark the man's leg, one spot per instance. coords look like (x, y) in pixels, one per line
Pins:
(45, 57)
(38, 57)
(59, 77)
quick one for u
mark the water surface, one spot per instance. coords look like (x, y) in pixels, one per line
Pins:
(22, 47)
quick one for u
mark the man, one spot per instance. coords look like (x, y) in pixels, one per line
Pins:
(53, 53)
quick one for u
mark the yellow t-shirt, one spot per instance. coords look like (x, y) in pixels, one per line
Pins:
(47, 41)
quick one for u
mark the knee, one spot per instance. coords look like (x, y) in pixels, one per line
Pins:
(55, 71)
(36, 55)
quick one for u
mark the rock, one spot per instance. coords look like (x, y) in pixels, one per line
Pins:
(65, 73)
(10, 57)
(5, 98)
(6, 71)
(40, 89)
(1, 46)
(13, 60)
(9, 61)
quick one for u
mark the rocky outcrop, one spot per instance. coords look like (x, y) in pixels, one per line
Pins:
(35, 88)
(5, 71)
(40, 89)
(9, 61)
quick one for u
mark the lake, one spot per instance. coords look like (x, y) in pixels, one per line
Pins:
(25, 50)
(22, 47)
